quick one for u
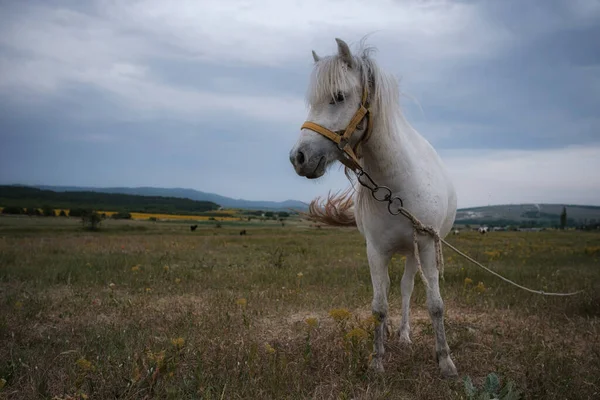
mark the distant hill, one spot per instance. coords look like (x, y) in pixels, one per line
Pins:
(30, 197)
(508, 214)
(528, 214)
(225, 202)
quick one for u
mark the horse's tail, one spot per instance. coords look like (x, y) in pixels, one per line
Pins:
(336, 210)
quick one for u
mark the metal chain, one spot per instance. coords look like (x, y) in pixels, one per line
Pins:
(381, 193)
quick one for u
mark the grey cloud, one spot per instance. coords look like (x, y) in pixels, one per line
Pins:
(165, 97)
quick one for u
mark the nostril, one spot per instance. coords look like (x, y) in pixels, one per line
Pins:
(300, 158)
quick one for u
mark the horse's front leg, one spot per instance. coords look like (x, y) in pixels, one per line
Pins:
(378, 265)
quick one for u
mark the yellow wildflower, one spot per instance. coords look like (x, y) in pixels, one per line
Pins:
(269, 349)
(242, 302)
(311, 322)
(135, 268)
(468, 281)
(166, 268)
(177, 280)
(369, 323)
(136, 374)
(179, 342)
(157, 357)
(148, 290)
(493, 253)
(340, 314)
(299, 274)
(480, 287)
(84, 364)
(357, 334)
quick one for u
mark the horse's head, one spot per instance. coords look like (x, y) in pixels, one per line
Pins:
(337, 90)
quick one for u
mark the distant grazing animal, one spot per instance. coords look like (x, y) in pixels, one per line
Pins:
(483, 229)
(455, 232)
(394, 155)
(243, 232)
(193, 228)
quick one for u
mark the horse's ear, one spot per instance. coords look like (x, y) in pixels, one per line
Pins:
(315, 56)
(344, 52)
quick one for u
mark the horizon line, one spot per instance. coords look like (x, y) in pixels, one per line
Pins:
(277, 201)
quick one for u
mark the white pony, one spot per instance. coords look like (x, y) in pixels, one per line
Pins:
(394, 155)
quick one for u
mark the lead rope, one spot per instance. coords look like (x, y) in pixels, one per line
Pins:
(418, 227)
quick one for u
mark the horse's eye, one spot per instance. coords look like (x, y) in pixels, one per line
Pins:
(339, 98)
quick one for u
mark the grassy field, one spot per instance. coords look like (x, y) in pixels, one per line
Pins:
(152, 310)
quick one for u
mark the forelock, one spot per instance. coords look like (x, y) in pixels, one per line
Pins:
(329, 76)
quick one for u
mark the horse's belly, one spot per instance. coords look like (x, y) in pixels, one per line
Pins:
(389, 233)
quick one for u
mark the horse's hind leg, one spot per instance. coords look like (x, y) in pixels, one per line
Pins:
(380, 279)
(435, 306)
(406, 287)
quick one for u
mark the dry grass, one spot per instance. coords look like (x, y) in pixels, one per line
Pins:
(152, 310)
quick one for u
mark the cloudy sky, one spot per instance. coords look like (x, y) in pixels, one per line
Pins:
(210, 94)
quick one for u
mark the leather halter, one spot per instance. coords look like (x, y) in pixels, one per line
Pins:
(342, 138)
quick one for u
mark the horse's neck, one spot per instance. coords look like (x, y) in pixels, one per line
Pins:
(387, 156)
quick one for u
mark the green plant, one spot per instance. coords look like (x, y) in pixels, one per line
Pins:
(12, 210)
(91, 220)
(79, 212)
(563, 218)
(32, 211)
(277, 257)
(48, 211)
(491, 389)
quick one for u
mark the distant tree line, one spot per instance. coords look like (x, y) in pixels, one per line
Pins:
(268, 214)
(524, 223)
(74, 212)
(15, 198)
(264, 215)
(539, 215)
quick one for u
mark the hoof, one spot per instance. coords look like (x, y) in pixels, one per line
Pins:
(376, 365)
(447, 368)
(404, 339)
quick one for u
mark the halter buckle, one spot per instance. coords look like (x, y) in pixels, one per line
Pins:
(342, 143)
